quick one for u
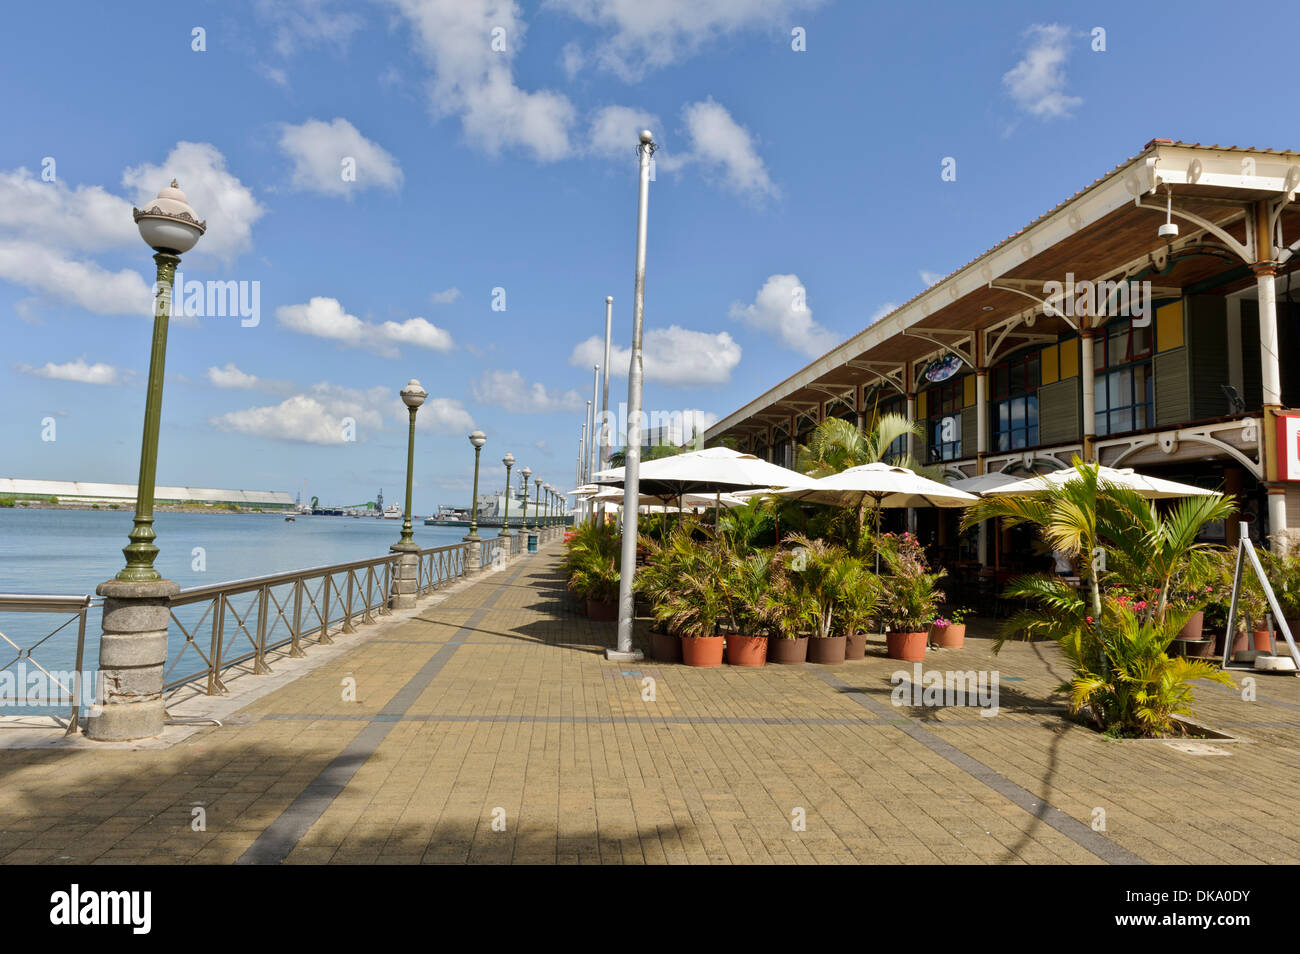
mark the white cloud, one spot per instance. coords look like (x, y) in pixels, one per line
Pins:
(1037, 82)
(445, 297)
(510, 390)
(84, 218)
(300, 23)
(443, 415)
(930, 278)
(326, 318)
(724, 148)
(781, 309)
(614, 130)
(232, 377)
(672, 356)
(84, 284)
(329, 414)
(47, 229)
(418, 332)
(225, 203)
(646, 36)
(881, 312)
(79, 371)
(475, 82)
(323, 152)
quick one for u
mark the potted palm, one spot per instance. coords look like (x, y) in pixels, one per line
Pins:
(787, 607)
(695, 605)
(746, 582)
(949, 631)
(909, 599)
(859, 600)
(819, 572)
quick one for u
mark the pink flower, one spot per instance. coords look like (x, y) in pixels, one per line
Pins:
(1142, 604)
(1089, 619)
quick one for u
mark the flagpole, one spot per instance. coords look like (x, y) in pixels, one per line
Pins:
(632, 467)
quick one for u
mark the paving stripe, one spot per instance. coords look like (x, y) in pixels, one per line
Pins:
(274, 844)
(611, 719)
(1068, 826)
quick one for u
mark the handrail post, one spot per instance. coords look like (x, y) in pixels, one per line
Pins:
(295, 642)
(260, 668)
(215, 684)
(324, 638)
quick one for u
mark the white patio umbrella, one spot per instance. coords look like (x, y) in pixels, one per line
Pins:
(1153, 488)
(883, 485)
(982, 484)
(712, 470)
(613, 496)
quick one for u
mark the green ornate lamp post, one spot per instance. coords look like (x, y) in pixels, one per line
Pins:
(537, 481)
(137, 602)
(509, 461)
(526, 473)
(169, 226)
(478, 439)
(412, 396)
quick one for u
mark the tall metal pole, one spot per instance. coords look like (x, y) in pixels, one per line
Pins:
(592, 450)
(604, 400)
(406, 538)
(582, 454)
(632, 468)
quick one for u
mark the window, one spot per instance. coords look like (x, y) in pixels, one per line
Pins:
(878, 407)
(943, 404)
(1014, 401)
(1123, 386)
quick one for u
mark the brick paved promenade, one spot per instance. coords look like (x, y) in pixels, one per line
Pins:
(496, 708)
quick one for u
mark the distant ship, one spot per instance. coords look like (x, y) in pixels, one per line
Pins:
(393, 513)
(491, 512)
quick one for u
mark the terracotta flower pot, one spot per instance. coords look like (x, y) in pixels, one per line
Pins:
(1260, 640)
(826, 650)
(910, 647)
(1192, 628)
(787, 652)
(665, 647)
(602, 611)
(746, 650)
(1238, 644)
(951, 636)
(855, 646)
(703, 652)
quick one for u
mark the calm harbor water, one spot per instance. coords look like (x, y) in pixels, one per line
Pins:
(73, 551)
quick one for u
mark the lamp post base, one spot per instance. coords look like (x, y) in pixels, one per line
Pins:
(406, 576)
(132, 657)
(615, 656)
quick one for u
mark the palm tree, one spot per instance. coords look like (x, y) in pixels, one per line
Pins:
(1122, 671)
(837, 445)
(618, 458)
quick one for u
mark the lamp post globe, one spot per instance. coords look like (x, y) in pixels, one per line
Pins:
(478, 439)
(525, 474)
(170, 227)
(509, 461)
(412, 396)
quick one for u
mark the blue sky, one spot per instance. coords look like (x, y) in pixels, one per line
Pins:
(481, 168)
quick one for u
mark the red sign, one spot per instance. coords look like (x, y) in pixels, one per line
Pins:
(1288, 447)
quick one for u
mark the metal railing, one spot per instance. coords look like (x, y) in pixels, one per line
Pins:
(244, 620)
(496, 552)
(75, 608)
(438, 566)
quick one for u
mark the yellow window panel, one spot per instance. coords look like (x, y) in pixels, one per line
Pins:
(968, 391)
(1049, 365)
(1069, 358)
(1169, 326)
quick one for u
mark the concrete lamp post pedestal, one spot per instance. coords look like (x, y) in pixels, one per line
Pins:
(132, 657)
(406, 575)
